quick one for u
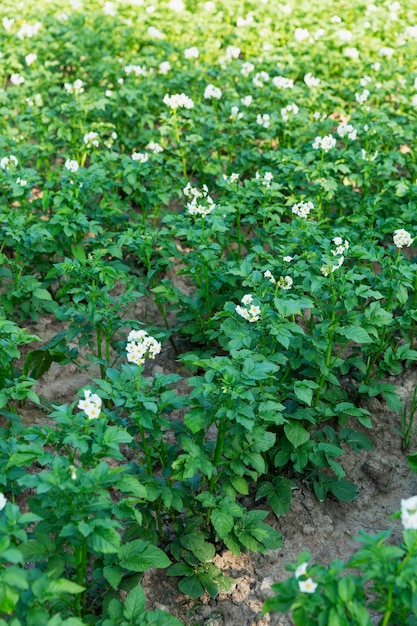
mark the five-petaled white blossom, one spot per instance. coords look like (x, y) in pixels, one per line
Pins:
(303, 208)
(307, 586)
(141, 345)
(91, 405)
(402, 238)
(178, 101)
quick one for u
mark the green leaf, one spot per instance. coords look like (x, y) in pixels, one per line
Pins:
(61, 585)
(104, 540)
(344, 490)
(113, 575)
(201, 549)
(42, 294)
(191, 586)
(130, 484)
(138, 556)
(296, 434)
(355, 333)
(222, 522)
(134, 604)
(303, 393)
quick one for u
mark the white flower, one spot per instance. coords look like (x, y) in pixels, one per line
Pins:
(336, 19)
(268, 274)
(307, 586)
(209, 6)
(329, 268)
(386, 52)
(91, 405)
(212, 92)
(290, 108)
(414, 101)
(347, 130)
(178, 101)
(154, 147)
(141, 345)
(30, 58)
(402, 238)
(164, 67)
(246, 101)
(267, 179)
(7, 23)
(244, 21)
(8, 161)
(28, 30)
(235, 114)
(137, 70)
(247, 299)
(280, 82)
(233, 178)
(142, 157)
(344, 34)
(351, 53)
(21, 182)
(301, 33)
(17, 79)
(303, 208)
(341, 246)
(260, 78)
(325, 143)
(109, 9)
(247, 68)
(71, 165)
(191, 53)
(285, 282)
(232, 52)
(367, 157)
(311, 81)
(263, 120)
(3, 501)
(76, 87)
(176, 5)
(409, 513)
(288, 259)
(91, 139)
(362, 97)
(155, 33)
(301, 570)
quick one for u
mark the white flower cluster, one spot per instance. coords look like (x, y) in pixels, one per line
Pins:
(325, 143)
(246, 101)
(28, 30)
(260, 79)
(266, 180)
(409, 513)
(91, 405)
(164, 67)
(235, 114)
(311, 81)
(91, 140)
(8, 162)
(178, 101)
(249, 312)
(347, 130)
(301, 33)
(37, 100)
(341, 246)
(137, 70)
(307, 585)
(232, 52)
(290, 108)
(351, 53)
(402, 238)
(303, 208)
(233, 178)
(362, 97)
(247, 68)
(30, 58)
(142, 157)
(71, 165)
(368, 157)
(154, 147)
(280, 82)
(76, 87)
(263, 120)
(21, 182)
(191, 53)
(196, 207)
(141, 345)
(284, 282)
(212, 92)
(17, 79)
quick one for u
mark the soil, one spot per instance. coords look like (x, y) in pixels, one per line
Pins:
(325, 529)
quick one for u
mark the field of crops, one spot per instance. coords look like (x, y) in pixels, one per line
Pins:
(208, 279)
